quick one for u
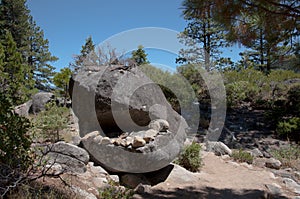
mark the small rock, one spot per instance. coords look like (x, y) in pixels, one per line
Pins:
(106, 140)
(266, 154)
(159, 125)
(115, 178)
(292, 185)
(244, 164)
(274, 189)
(138, 142)
(96, 169)
(256, 153)
(98, 139)
(225, 157)
(129, 141)
(150, 135)
(90, 136)
(123, 143)
(141, 189)
(218, 148)
(272, 163)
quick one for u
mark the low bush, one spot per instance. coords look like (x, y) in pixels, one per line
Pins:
(242, 156)
(293, 99)
(241, 91)
(48, 123)
(289, 128)
(190, 157)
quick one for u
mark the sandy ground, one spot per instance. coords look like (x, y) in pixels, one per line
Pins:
(219, 178)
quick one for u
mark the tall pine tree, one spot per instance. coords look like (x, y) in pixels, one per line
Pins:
(269, 28)
(202, 36)
(39, 57)
(15, 17)
(140, 56)
(86, 49)
(13, 82)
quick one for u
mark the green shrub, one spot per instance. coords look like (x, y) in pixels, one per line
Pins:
(242, 156)
(190, 158)
(293, 100)
(289, 156)
(289, 128)
(15, 154)
(48, 123)
(282, 75)
(14, 138)
(240, 91)
(113, 191)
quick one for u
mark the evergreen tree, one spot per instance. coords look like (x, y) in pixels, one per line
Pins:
(140, 56)
(15, 17)
(61, 81)
(86, 49)
(13, 82)
(268, 28)
(202, 36)
(39, 57)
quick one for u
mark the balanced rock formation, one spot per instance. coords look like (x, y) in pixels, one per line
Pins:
(111, 101)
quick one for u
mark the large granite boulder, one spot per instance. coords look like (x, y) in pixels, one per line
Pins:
(39, 101)
(114, 100)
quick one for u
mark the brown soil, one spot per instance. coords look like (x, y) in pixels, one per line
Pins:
(219, 178)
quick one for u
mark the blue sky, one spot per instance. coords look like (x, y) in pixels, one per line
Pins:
(67, 23)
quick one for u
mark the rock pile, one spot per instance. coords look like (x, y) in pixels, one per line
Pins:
(141, 141)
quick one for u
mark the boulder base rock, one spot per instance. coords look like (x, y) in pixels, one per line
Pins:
(117, 99)
(69, 157)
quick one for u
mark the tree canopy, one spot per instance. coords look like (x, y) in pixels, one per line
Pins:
(30, 42)
(268, 28)
(140, 56)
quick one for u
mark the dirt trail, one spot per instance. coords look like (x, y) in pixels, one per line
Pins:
(219, 178)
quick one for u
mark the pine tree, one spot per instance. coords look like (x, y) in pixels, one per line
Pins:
(61, 81)
(86, 49)
(15, 17)
(13, 82)
(140, 56)
(39, 58)
(267, 27)
(202, 36)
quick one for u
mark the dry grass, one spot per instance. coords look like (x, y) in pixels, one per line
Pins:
(288, 156)
(41, 190)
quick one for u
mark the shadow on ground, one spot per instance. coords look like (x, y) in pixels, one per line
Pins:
(207, 193)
